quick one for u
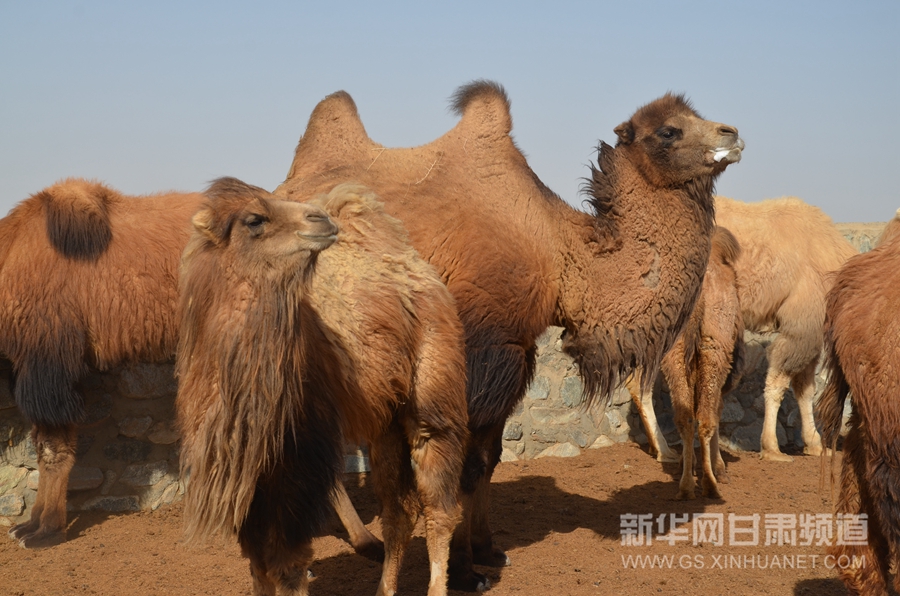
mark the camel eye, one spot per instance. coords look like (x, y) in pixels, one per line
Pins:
(667, 132)
(255, 223)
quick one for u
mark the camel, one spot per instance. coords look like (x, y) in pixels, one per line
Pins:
(862, 347)
(621, 279)
(291, 341)
(704, 364)
(788, 250)
(73, 295)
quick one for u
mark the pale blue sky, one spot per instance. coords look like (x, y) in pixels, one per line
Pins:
(165, 95)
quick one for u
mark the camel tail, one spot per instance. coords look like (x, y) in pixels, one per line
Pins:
(725, 246)
(77, 214)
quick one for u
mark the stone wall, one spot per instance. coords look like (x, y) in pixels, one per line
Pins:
(127, 456)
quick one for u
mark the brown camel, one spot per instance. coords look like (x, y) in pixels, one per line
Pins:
(788, 249)
(704, 364)
(621, 279)
(74, 295)
(862, 347)
(285, 351)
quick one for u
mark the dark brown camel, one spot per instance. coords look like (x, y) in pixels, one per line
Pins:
(287, 348)
(621, 279)
(73, 294)
(862, 347)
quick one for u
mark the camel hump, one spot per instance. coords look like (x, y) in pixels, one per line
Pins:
(725, 246)
(891, 230)
(484, 102)
(77, 213)
(336, 116)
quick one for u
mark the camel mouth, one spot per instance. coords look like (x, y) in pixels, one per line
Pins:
(728, 154)
(324, 240)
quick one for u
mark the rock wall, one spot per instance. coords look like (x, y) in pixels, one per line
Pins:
(127, 456)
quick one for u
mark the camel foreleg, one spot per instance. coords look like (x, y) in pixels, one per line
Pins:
(55, 446)
(643, 401)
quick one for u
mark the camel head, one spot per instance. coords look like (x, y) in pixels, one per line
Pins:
(671, 144)
(264, 233)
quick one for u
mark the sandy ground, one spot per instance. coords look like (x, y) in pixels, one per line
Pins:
(559, 520)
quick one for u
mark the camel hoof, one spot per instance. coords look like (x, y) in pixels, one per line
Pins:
(722, 478)
(373, 550)
(814, 450)
(685, 495)
(712, 493)
(775, 456)
(42, 540)
(469, 582)
(492, 558)
(668, 458)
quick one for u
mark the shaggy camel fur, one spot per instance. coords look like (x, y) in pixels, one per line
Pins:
(284, 353)
(788, 249)
(73, 295)
(862, 346)
(706, 363)
(622, 279)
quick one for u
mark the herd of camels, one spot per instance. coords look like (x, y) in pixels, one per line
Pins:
(394, 296)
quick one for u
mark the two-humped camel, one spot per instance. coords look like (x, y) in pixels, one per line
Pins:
(621, 279)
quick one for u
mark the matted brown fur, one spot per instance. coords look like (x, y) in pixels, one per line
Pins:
(621, 279)
(862, 346)
(789, 249)
(280, 363)
(705, 363)
(88, 277)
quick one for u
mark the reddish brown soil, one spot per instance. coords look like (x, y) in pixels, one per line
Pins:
(558, 519)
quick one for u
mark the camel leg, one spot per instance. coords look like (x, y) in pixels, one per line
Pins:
(393, 480)
(777, 383)
(871, 578)
(706, 430)
(643, 401)
(719, 464)
(278, 569)
(687, 485)
(804, 384)
(55, 446)
(483, 550)
(361, 539)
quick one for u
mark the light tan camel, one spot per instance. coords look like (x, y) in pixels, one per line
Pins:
(621, 280)
(862, 347)
(287, 348)
(88, 277)
(788, 249)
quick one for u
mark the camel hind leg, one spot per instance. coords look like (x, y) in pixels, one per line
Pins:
(643, 401)
(707, 431)
(278, 569)
(55, 446)
(804, 384)
(361, 539)
(777, 382)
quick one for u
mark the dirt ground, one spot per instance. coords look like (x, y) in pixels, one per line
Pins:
(558, 519)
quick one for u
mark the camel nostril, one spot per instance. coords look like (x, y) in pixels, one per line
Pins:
(316, 216)
(728, 131)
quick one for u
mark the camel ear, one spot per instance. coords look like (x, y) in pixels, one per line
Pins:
(205, 221)
(625, 132)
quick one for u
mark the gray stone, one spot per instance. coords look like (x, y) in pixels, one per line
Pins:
(560, 450)
(781, 434)
(128, 450)
(163, 433)
(356, 463)
(148, 381)
(732, 410)
(572, 391)
(144, 474)
(621, 397)
(135, 427)
(12, 505)
(602, 441)
(508, 455)
(747, 438)
(85, 478)
(10, 477)
(32, 481)
(512, 431)
(112, 504)
(553, 415)
(169, 495)
(97, 410)
(109, 478)
(539, 388)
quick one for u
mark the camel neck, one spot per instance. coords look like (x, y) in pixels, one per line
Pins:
(632, 272)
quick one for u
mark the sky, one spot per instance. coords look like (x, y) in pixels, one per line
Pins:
(155, 96)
